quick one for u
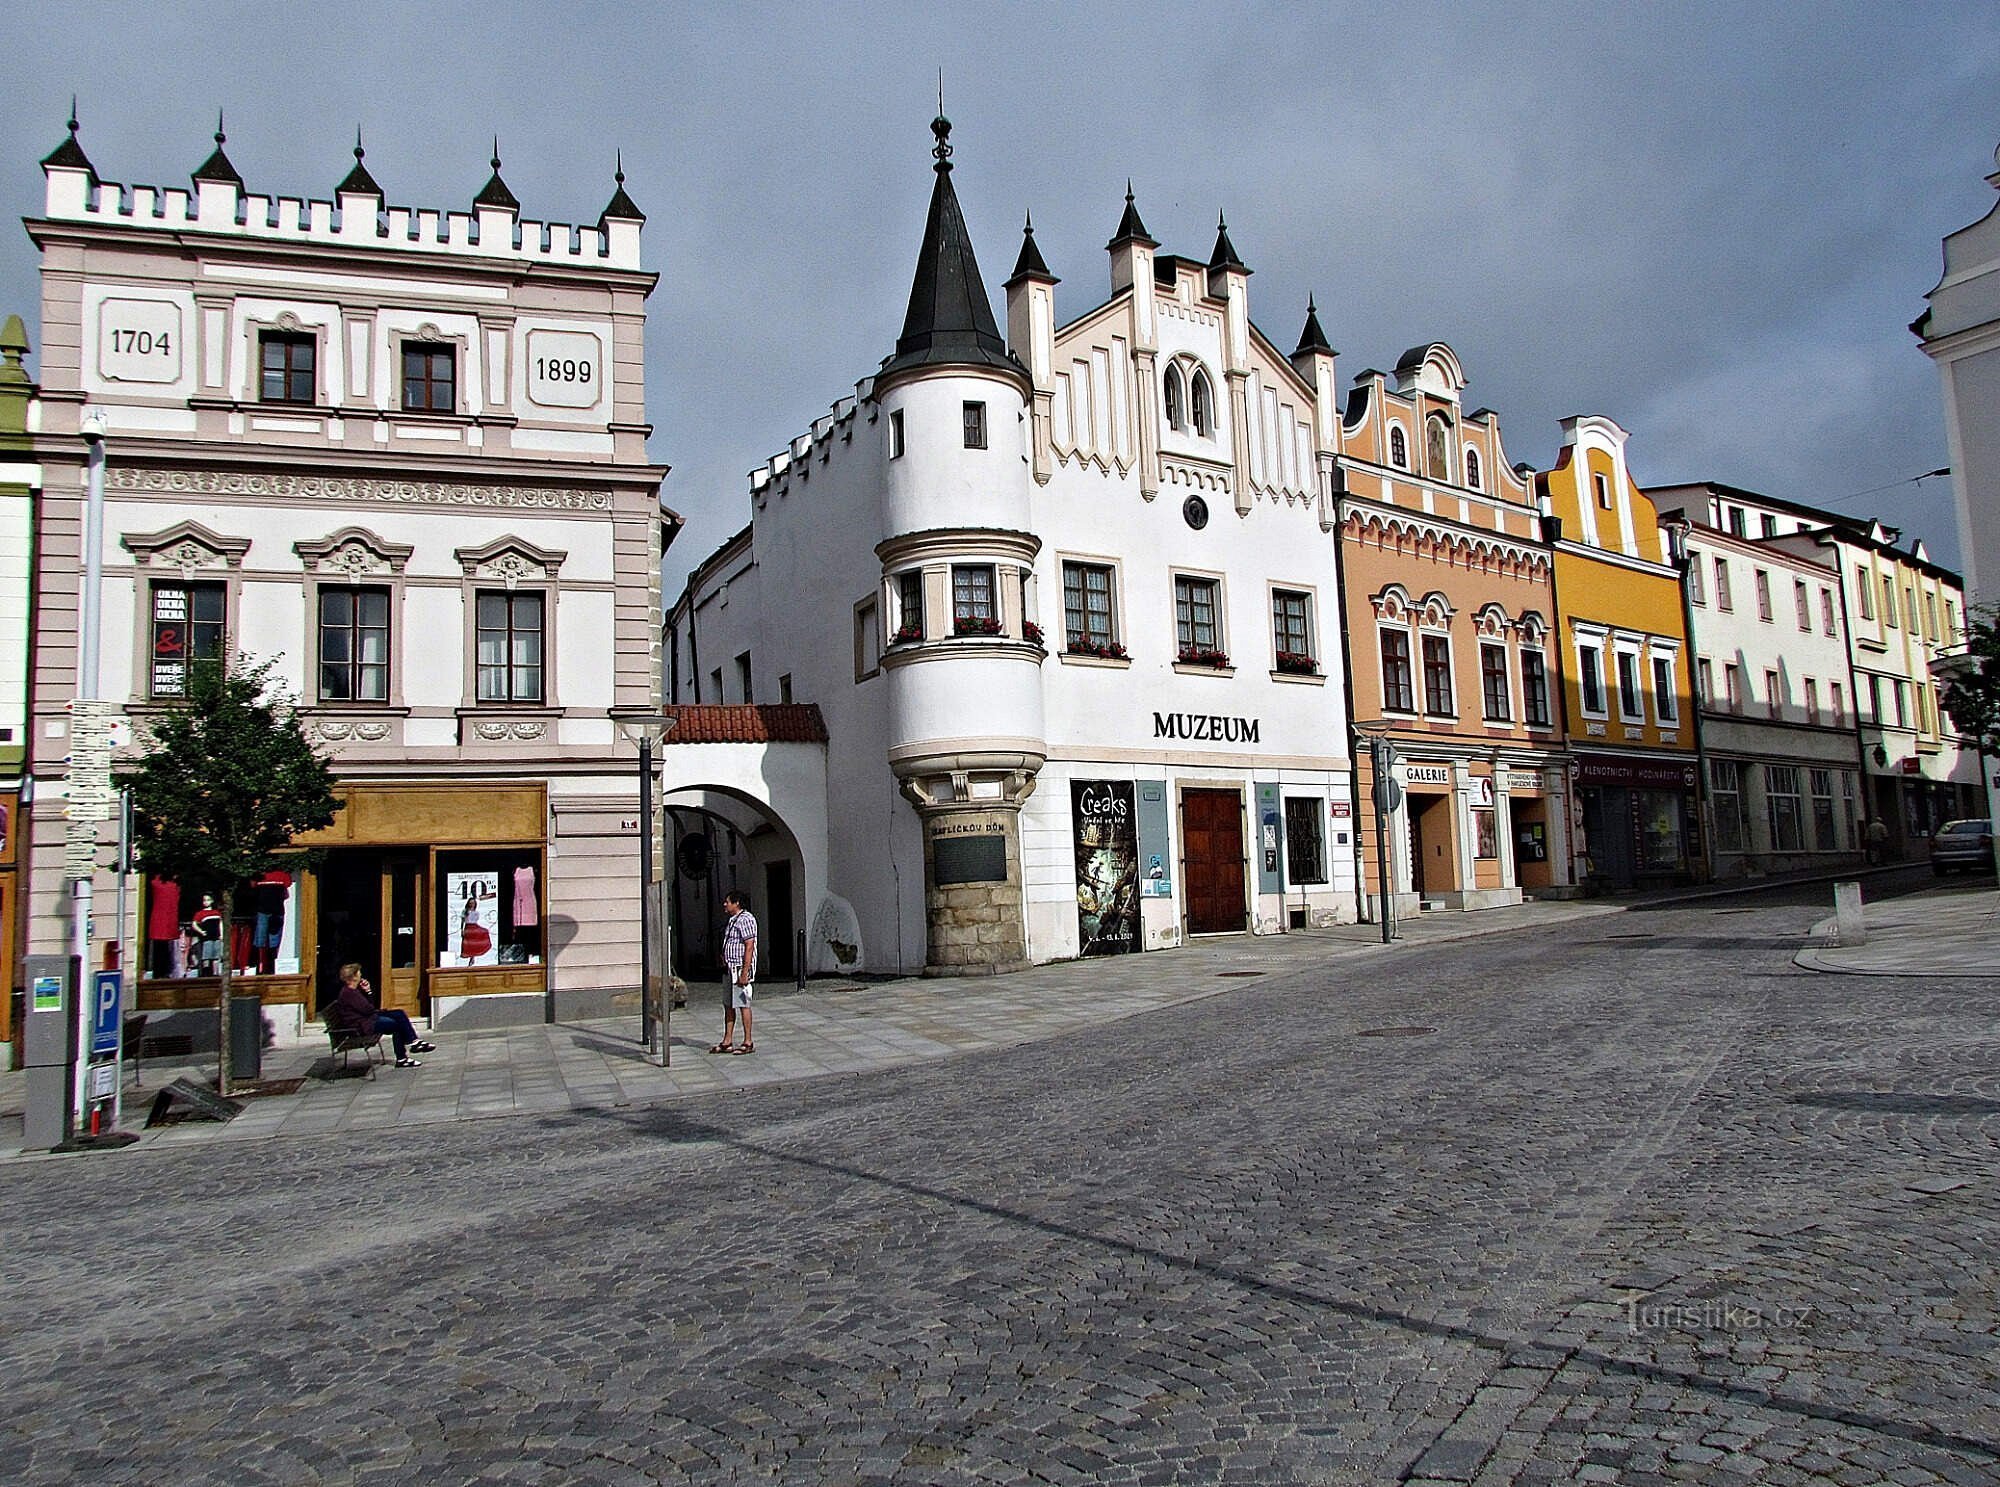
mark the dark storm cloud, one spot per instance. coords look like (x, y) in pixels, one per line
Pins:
(1712, 223)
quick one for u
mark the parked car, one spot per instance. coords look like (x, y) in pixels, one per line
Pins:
(1963, 844)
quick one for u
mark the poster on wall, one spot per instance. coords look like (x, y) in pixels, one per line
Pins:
(472, 919)
(1107, 866)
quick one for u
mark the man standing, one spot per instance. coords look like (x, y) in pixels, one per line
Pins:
(739, 956)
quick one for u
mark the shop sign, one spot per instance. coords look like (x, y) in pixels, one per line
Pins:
(1912, 765)
(1646, 774)
(1205, 727)
(1482, 790)
(1107, 866)
(1428, 774)
(1344, 810)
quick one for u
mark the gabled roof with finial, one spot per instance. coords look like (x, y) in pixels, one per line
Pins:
(495, 193)
(950, 320)
(621, 207)
(1130, 228)
(1030, 265)
(1312, 338)
(69, 154)
(358, 180)
(1224, 255)
(217, 167)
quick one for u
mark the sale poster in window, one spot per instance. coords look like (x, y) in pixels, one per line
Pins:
(472, 919)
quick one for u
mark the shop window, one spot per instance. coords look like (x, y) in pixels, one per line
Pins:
(1398, 692)
(1171, 391)
(1485, 838)
(1783, 804)
(1090, 620)
(1725, 780)
(1631, 706)
(1201, 405)
(287, 364)
(1590, 678)
(1305, 840)
(489, 907)
(974, 607)
(184, 932)
(1662, 833)
(430, 377)
(187, 627)
(1825, 837)
(1439, 697)
(353, 645)
(1535, 688)
(1197, 618)
(1763, 582)
(1399, 449)
(1493, 684)
(1666, 704)
(510, 647)
(975, 425)
(1291, 630)
(1723, 600)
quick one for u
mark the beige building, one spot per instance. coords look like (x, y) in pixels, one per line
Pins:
(403, 452)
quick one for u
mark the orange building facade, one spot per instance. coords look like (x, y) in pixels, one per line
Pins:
(1451, 648)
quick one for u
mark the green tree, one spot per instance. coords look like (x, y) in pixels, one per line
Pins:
(228, 784)
(1970, 695)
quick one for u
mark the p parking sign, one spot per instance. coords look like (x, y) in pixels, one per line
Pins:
(107, 995)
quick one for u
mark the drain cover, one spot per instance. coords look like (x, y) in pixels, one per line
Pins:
(1233, 975)
(1395, 1032)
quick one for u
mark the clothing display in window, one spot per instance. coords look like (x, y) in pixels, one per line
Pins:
(272, 891)
(526, 911)
(207, 923)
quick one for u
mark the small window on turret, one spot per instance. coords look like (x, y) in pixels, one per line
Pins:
(1176, 419)
(975, 425)
(896, 434)
(1201, 406)
(1399, 453)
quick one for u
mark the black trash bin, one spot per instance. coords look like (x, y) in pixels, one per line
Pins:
(246, 1037)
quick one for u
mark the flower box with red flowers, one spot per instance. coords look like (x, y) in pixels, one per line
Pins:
(1297, 663)
(1101, 650)
(1031, 632)
(972, 624)
(908, 635)
(1201, 655)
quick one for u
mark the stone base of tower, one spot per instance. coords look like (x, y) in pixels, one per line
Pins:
(974, 924)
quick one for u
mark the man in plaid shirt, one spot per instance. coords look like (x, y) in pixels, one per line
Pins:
(739, 955)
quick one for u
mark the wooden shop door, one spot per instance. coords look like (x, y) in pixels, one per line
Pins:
(403, 919)
(1212, 861)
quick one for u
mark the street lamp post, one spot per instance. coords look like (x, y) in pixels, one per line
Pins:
(655, 1013)
(89, 609)
(1382, 757)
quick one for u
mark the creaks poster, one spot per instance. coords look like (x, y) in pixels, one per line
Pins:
(1107, 866)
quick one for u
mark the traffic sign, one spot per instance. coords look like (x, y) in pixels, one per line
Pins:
(107, 995)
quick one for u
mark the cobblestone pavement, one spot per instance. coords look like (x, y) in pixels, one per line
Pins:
(1644, 1204)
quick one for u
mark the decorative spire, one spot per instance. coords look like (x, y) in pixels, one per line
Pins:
(69, 154)
(1130, 228)
(1224, 255)
(950, 320)
(1312, 338)
(1030, 265)
(358, 181)
(621, 207)
(941, 128)
(495, 193)
(217, 167)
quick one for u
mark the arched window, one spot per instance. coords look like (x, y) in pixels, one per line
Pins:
(1437, 448)
(1173, 395)
(1472, 468)
(1199, 406)
(1399, 450)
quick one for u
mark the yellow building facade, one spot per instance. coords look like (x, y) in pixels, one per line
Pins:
(1627, 683)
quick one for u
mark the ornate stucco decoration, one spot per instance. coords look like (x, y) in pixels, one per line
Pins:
(510, 561)
(497, 730)
(186, 547)
(353, 552)
(282, 485)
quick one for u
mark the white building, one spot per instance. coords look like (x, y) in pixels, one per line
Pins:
(402, 452)
(1779, 729)
(1038, 588)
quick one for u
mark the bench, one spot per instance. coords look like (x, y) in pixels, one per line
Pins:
(346, 1041)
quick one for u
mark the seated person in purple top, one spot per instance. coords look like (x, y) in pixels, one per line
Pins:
(354, 1010)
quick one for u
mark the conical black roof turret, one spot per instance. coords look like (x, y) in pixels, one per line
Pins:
(358, 180)
(1312, 338)
(69, 154)
(1030, 264)
(1224, 255)
(217, 167)
(1130, 228)
(950, 321)
(621, 207)
(495, 193)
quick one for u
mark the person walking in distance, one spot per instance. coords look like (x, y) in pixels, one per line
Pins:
(739, 957)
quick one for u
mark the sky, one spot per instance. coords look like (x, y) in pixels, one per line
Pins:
(1710, 222)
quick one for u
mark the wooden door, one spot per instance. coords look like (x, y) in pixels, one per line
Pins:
(1212, 861)
(403, 902)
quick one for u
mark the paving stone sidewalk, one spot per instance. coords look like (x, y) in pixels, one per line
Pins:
(827, 1029)
(1948, 932)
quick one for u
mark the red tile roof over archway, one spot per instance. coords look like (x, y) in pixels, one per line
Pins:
(783, 722)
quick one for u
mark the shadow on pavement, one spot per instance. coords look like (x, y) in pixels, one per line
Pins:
(1876, 1102)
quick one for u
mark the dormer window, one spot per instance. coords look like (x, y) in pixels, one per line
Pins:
(1171, 387)
(1399, 448)
(1603, 489)
(1472, 468)
(1437, 448)
(1200, 406)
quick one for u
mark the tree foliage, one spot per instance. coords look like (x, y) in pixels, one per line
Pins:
(1971, 691)
(229, 783)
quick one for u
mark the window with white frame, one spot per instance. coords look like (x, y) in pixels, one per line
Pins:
(1864, 590)
(975, 608)
(1767, 524)
(1812, 700)
(1399, 448)
(1198, 620)
(1889, 602)
(1437, 447)
(510, 646)
(1837, 701)
(896, 445)
(1774, 693)
(1590, 678)
(909, 605)
(1827, 624)
(1495, 702)
(1762, 580)
(1472, 467)
(1784, 806)
(974, 415)
(1802, 602)
(1291, 630)
(1631, 700)
(1398, 690)
(1732, 685)
(1440, 699)
(1704, 681)
(1534, 687)
(1722, 596)
(1602, 487)
(1697, 590)
(1666, 699)
(353, 644)
(1090, 618)
(1738, 522)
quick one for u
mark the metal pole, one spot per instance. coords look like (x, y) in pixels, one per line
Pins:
(127, 961)
(652, 1019)
(1379, 747)
(90, 605)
